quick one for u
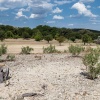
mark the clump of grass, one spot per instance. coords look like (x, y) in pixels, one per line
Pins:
(3, 49)
(50, 49)
(10, 57)
(26, 50)
(75, 50)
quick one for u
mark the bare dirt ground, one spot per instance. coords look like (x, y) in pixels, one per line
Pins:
(15, 45)
(53, 77)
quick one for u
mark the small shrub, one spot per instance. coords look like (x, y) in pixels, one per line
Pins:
(26, 50)
(91, 60)
(60, 39)
(65, 51)
(0, 51)
(88, 49)
(3, 49)
(75, 50)
(50, 49)
(10, 57)
(72, 39)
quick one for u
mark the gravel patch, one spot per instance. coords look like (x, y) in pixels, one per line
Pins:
(54, 76)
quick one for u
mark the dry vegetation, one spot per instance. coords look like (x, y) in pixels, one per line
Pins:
(15, 45)
(52, 76)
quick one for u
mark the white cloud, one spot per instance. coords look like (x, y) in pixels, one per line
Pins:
(61, 2)
(88, 6)
(20, 14)
(35, 6)
(34, 16)
(74, 16)
(57, 10)
(98, 6)
(82, 10)
(50, 22)
(3, 8)
(70, 24)
(94, 20)
(58, 17)
(87, 1)
(94, 23)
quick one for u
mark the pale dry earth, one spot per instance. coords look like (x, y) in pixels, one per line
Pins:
(54, 77)
(15, 45)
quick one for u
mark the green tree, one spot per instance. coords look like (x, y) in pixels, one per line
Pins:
(2, 35)
(9, 34)
(38, 36)
(86, 38)
(48, 38)
(60, 39)
(25, 35)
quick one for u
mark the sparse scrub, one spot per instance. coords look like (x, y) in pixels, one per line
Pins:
(88, 49)
(91, 61)
(10, 57)
(75, 50)
(3, 49)
(65, 51)
(26, 50)
(50, 49)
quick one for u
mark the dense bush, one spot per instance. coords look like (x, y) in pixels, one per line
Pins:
(75, 50)
(26, 50)
(72, 39)
(50, 49)
(91, 60)
(2, 35)
(3, 49)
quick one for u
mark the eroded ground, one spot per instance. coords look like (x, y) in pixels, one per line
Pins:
(55, 76)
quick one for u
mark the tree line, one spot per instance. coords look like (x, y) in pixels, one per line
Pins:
(46, 32)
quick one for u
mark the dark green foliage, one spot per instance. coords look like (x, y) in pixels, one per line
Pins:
(60, 39)
(72, 39)
(50, 49)
(9, 34)
(48, 38)
(25, 35)
(16, 36)
(16, 32)
(2, 35)
(26, 50)
(75, 50)
(91, 60)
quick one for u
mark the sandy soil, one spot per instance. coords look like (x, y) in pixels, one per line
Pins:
(55, 76)
(15, 45)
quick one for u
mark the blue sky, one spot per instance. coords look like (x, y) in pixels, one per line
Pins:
(58, 13)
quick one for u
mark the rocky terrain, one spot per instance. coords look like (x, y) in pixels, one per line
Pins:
(50, 76)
